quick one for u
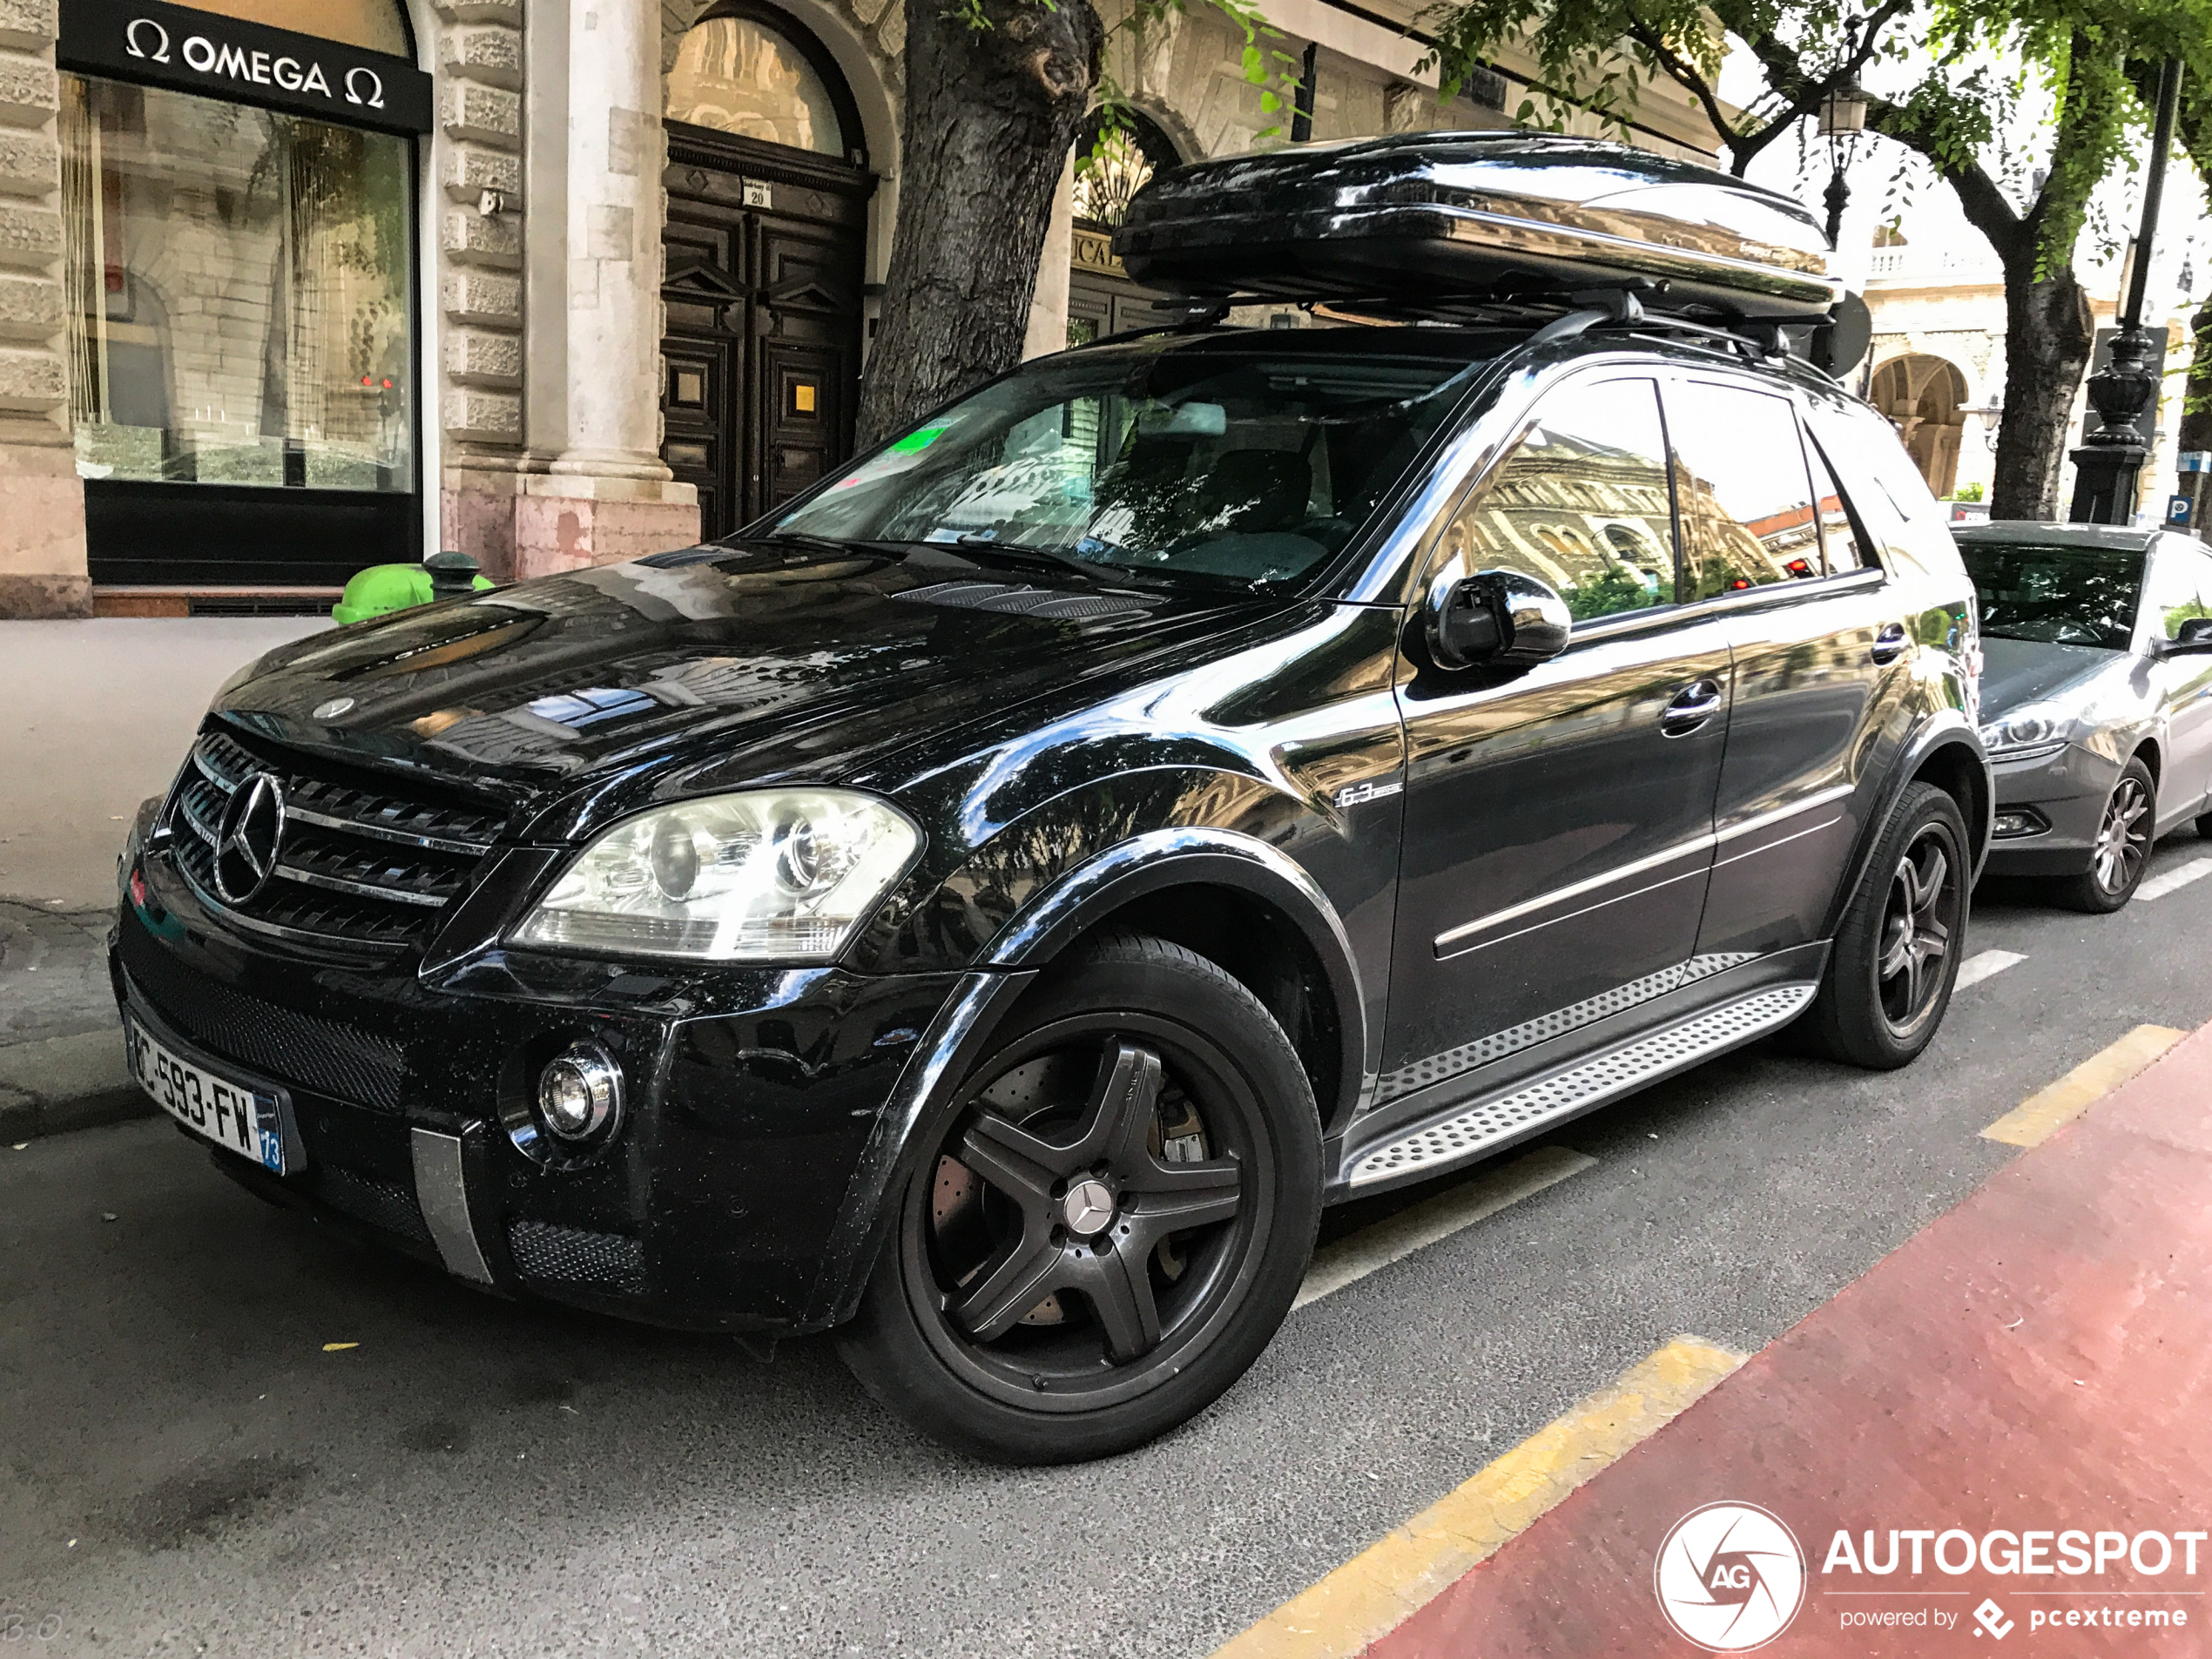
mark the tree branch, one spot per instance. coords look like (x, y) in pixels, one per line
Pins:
(1686, 75)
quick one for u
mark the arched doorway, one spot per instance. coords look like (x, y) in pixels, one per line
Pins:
(768, 185)
(1925, 396)
(1112, 164)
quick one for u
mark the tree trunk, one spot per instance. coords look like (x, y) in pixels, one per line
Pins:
(2048, 333)
(991, 114)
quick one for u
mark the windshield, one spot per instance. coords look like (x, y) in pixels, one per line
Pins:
(2058, 596)
(1245, 466)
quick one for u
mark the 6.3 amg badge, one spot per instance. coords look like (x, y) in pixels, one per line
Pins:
(252, 830)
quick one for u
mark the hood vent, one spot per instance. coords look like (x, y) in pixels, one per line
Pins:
(1022, 600)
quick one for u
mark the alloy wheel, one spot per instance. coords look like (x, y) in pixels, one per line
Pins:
(1091, 1214)
(1920, 919)
(2123, 838)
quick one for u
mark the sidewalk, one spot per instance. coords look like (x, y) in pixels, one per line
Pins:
(2035, 1364)
(101, 713)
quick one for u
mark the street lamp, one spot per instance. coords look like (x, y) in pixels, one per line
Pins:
(2110, 460)
(1843, 118)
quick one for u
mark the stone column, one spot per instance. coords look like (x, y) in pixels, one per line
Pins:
(1048, 329)
(476, 156)
(42, 502)
(597, 490)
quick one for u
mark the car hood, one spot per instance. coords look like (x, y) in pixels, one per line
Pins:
(2019, 671)
(793, 665)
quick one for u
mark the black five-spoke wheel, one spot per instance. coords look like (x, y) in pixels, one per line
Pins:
(1108, 1221)
(1897, 950)
(1917, 922)
(1110, 1213)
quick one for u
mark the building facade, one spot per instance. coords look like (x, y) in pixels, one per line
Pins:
(288, 287)
(1936, 365)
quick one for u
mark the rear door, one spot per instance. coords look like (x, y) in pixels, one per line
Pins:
(1559, 817)
(1821, 655)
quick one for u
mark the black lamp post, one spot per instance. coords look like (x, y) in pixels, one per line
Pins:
(2110, 460)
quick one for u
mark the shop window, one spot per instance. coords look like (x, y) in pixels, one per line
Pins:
(374, 25)
(738, 75)
(238, 291)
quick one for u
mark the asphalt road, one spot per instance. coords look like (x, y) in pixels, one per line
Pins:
(184, 1468)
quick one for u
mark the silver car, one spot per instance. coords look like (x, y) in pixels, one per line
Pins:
(2096, 698)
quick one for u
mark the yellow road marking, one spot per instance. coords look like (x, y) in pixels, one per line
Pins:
(2042, 1114)
(1356, 1254)
(1381, 1588)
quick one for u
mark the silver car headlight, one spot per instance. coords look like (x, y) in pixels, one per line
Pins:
(2038, 728)
(767, 875)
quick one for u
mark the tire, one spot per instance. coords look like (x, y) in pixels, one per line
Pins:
(1884, 991)
(1138, 1086)
(2123, 853)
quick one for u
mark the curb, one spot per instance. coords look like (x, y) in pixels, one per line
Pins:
(57, 1084)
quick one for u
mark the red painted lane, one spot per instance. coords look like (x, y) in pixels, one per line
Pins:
(2039, 1359)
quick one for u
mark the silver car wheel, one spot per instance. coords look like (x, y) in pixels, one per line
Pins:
(2123, 838)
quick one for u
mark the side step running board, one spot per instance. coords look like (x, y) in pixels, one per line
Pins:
(1483, 1128)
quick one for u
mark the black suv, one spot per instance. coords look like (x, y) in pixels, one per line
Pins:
(992, 905)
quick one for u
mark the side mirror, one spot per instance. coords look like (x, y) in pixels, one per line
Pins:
(1500, 618)
(2194, 638)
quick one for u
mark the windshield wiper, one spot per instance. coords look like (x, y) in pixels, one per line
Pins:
(1046, 558)
(832, 544)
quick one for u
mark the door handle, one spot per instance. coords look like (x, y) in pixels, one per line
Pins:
(1691, 708)
(1890, 643)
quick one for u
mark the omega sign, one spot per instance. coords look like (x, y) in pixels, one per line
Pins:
(244, 62)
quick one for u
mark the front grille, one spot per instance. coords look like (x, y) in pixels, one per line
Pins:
(365, 868)
(321, 1055)
(572, 1256)
(381, 1204)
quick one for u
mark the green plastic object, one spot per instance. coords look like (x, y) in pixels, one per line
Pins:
(382, 589)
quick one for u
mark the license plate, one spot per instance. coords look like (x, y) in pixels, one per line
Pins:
(238, 1115)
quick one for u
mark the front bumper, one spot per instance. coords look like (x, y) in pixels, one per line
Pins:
(752, 1093)
(2067, 792)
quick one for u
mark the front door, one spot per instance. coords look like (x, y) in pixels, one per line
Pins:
(2178, 589)
(1559, 819)
(761, 362)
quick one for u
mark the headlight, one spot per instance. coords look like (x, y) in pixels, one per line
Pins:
(770, 875)
(2035, 726)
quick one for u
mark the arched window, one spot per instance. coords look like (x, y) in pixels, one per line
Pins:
(374, 25)
(1922, 396)
(1113, 164)
(738, 73)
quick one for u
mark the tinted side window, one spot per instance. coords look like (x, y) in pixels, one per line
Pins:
(1580, 503)
(1839, 534)
(1881, 482)
(1746, 499)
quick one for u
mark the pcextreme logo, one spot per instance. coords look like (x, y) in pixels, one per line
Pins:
(1730, 1577)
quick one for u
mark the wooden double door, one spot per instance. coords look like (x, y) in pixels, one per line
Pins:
(761, 362)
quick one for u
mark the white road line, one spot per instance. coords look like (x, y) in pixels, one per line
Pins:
(2159, 885)
(1975, 969)
(1356, 1254)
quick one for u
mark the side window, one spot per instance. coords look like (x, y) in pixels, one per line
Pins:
(1839, 534)
(1580, 503)
(1881, 482)
(1745, 497)
(2180, 585)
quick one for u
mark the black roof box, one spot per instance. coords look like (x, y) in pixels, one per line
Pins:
(1431, 223)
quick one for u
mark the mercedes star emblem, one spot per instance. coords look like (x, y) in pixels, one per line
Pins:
(332, 710)
(246, 849)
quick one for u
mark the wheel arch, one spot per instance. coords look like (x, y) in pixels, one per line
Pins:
(1242, 904)
(1173, 882)
(1947, 752)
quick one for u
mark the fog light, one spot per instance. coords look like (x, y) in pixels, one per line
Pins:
(579, 1095)
(2024, 820)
